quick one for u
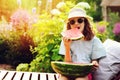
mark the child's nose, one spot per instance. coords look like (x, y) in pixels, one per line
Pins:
(76, 22)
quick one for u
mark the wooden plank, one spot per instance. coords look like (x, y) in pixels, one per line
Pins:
(51, 77)
(9, 76)
(56, 76)
(2, 74)
(35, 76)
(43, 76)
(26, 76)
(18, 76)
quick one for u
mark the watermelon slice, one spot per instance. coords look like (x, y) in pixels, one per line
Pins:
(72, 34)
(72, 69)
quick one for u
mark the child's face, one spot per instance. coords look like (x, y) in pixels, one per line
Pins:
(77, 22)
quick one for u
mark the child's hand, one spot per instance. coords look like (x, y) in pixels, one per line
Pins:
(67, 41)
(95, 64)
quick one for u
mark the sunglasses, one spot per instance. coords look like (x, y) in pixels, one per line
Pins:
(79, 20)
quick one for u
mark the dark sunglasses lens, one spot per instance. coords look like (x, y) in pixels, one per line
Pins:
(80, 20)
(72, 22)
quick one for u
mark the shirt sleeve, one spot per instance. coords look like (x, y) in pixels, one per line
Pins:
(98, 50)
(62, 48)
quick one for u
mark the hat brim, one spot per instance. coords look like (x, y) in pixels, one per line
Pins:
(87, 17)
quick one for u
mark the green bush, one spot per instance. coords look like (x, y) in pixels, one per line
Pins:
(15, 48)
(47, 52)
(23, 67)
(3, 49)
(113, 19)
(48, 37)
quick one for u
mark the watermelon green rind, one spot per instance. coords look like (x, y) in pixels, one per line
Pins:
(71, 69)
(77, 38)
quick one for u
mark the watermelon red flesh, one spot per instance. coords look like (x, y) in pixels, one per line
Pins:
(73, 34)
(72, 69)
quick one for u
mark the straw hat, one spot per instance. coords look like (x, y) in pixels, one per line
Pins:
(78, 12)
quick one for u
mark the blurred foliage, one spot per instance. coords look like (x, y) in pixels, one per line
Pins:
(95, 9)
(16, 42)
(101, 30)
(41, 5)
(15, 48)
(46, 33)
(113, 19)
(7, 7)
(23, 67)
(47, 36)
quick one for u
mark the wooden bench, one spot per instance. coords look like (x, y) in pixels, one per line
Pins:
(16, 75)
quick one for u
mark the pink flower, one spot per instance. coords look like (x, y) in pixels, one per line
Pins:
(101, 29)
(116, 29)
(101, 26)
(20, 18)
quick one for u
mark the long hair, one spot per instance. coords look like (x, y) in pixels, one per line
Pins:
(87, 32)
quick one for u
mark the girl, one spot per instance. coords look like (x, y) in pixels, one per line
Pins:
(89, 49)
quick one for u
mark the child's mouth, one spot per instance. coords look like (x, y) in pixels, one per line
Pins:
(78, 27)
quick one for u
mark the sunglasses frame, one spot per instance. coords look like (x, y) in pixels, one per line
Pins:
(79, 20)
